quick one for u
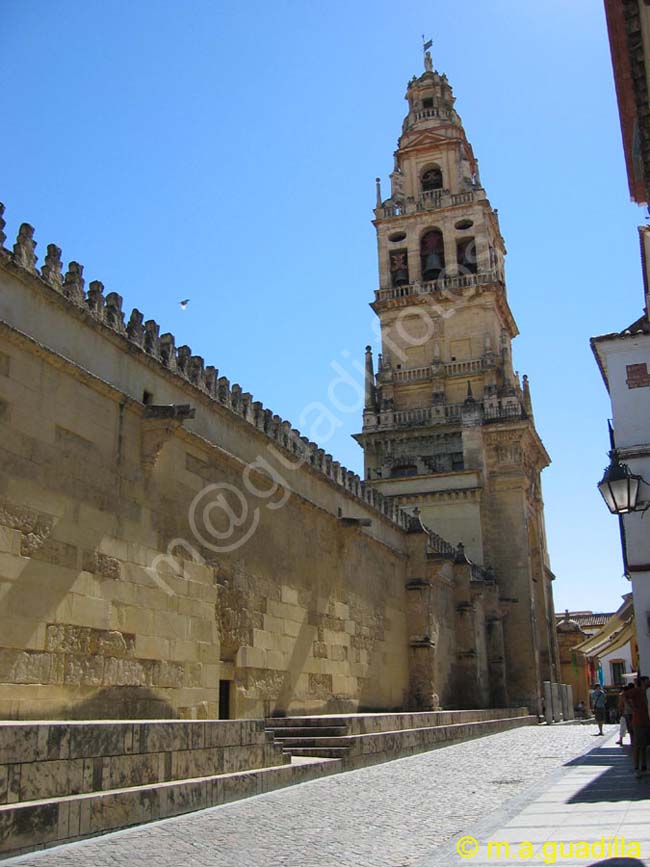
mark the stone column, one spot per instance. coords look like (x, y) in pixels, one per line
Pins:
(570, 707)
(557, 703)
(421, 651)
(466, 683)
(565, 700)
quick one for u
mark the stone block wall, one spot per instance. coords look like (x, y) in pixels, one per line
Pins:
(307, 614)
(166, 542)
(44, 761)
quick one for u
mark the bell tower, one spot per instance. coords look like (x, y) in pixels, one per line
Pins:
(448, 426)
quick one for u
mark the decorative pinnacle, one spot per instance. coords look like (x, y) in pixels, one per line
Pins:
(370, 390)
(24, 247)
(528, 403)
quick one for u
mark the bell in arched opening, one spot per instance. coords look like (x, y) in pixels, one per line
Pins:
(432, 254)
(399, 269)
(431, 179)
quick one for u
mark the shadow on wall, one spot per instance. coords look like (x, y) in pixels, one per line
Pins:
(117, 702)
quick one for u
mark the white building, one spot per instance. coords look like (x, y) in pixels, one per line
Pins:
(624, 361)
(624, 357)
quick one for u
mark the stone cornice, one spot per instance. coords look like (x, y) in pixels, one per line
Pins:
(444, 298)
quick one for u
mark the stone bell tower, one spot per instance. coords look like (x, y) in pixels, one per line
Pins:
(448, 426)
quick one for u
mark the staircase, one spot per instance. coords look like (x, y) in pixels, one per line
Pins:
(308, 737)
(363, 739)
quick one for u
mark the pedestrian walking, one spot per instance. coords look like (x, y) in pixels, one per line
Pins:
(598, 705)
(638, 700)
(625, 711)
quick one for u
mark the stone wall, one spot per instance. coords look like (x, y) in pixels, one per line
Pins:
(163, 536)
(307, 614)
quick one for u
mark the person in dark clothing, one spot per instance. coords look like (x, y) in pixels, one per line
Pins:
(638, 701)
(599, 705)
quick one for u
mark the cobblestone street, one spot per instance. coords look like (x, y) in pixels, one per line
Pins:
(389, 815)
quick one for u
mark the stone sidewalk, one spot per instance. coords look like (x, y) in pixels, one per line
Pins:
(581, 817)
(529, 783)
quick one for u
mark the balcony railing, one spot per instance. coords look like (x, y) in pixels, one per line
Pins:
(438, 545)
(449, 368)
(427, 415)
(441, 414)
(471, 365)
(450, 283)
(411, 374)
(427, 113)
(499, 413)
(430, 200)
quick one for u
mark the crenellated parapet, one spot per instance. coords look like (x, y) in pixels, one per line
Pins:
(105, 311)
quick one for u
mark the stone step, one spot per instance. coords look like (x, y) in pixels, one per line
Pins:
(275, 722)
(367, 723)
(320, 752)
(364, 749)
(32, 825)
(308, 731)
(343, 740)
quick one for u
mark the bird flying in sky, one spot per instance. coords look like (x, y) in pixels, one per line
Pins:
(184, 303)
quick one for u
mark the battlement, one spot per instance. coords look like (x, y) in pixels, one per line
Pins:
(105, 311)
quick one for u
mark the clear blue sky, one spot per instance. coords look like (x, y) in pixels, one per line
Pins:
(227, 152)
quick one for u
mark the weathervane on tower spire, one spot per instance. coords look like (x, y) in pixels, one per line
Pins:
(426, 45)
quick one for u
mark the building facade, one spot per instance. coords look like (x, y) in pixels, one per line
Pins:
(448, 427)
(623, 356)
(598, 647)
(169, 547)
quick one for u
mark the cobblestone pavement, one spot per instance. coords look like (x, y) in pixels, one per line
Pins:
(389, 815)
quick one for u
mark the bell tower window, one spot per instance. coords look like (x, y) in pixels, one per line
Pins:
(431, 179)
(399, 268)
(432, 254)
(466, 256)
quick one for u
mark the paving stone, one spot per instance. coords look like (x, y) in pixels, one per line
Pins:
(390, 815)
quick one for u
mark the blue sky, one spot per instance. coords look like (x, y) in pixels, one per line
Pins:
(227, 152)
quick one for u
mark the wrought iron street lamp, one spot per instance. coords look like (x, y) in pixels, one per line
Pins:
(619, 488)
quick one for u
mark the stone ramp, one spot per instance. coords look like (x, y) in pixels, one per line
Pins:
(63, 781)
(364, 739)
